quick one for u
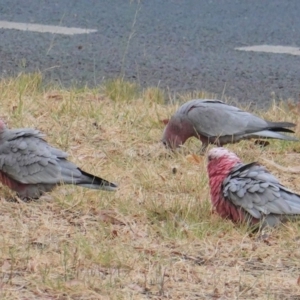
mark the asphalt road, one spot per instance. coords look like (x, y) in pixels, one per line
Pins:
(179, 45)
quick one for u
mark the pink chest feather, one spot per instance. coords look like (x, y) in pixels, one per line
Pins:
(11, 183)
(218, 170)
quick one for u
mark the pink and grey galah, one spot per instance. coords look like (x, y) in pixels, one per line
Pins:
(31, 167)
(248, 193)
(215, 122)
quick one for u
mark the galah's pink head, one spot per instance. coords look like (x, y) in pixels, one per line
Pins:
(220, 152)
(177, 131)
(2, 126)
(221, 161)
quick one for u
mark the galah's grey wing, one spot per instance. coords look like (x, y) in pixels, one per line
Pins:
(213, 119)
(258, 192)
(28, 159)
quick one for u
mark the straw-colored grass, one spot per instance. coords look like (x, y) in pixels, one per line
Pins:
(156, 237)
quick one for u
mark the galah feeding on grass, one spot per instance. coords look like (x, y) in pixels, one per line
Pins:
(30, 166)
(215, 122)
(248, 192)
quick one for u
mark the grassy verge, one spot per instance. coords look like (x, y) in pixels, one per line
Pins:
(156, 237)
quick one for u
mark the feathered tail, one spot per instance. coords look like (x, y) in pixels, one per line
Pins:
(273, 131)
(271, 135)
(93, 182)
(280, 125)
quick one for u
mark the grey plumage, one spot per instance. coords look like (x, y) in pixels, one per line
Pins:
(213, 121)
(252, 188)
(30, 166)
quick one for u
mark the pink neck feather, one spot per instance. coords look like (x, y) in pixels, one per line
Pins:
(218, 170)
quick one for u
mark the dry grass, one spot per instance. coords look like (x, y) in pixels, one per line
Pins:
(155, 238)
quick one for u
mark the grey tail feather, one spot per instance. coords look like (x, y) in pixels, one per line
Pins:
(273, 135)
(93, 182)
(280, 124)
(280, 129)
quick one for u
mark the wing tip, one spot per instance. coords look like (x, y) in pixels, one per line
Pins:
(109, 186)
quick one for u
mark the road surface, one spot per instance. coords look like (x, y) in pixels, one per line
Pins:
(174, 44)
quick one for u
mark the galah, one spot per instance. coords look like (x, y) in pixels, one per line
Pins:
(30, 166)
(248, 192)
(215, 122)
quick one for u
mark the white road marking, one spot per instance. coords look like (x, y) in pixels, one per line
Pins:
(272, 49)
(44, 28)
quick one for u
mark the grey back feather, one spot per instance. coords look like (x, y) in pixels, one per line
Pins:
(27, 158)
(213, 118)
(258, 192)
